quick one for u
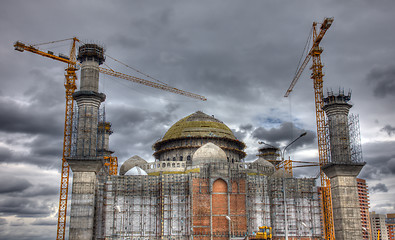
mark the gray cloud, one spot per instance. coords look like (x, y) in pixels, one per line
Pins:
(380, 160)
(388, 129)
(25, 119)
(13, 184)
(383, 80)
(45, 221)
(3, 221)
(17, 223)
(284, 133)
(24, 207)
(380, 187)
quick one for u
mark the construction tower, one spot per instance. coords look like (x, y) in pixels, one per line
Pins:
(342, 170)
(86, 162)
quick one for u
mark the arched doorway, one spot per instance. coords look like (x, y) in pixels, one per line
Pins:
(220, 224)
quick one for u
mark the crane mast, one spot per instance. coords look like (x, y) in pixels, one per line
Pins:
(70, 86)
(317, 76)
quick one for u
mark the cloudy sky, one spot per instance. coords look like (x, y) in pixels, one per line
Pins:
(241, 55)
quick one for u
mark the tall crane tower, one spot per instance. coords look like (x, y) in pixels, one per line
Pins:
(317, 76)
(70, 86)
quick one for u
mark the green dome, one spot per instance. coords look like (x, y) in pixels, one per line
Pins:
(199, 124)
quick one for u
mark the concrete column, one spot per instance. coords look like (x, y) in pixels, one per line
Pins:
(341, 171)
(345, 200)
(86, 163)
(88, 112)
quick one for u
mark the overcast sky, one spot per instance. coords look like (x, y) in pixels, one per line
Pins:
(241, 55)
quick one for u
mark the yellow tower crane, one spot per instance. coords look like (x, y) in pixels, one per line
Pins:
(70, 86)
(317, 76)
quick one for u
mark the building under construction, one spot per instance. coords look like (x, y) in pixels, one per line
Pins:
(199, 186)
(199, 179)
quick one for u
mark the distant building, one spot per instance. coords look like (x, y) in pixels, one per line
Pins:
(364, 206)
(377, 221)
(390, 222)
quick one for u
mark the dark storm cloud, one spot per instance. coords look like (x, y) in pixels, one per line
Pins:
(40, 112)
(388, 129)
(383, 80)
(13, 184)
(286, 132)
(17, 223)
(136, 129)
(380, 187)
(380, 160)
(246, 127)
(43, 156)
(243, 131)
(45, 221)
(24, 207)
(28, 118)
(37, 190)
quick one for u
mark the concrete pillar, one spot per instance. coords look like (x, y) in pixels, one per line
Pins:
(86, 163)
(345, 200)
(341, 171)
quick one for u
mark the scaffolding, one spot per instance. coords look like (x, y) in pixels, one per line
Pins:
(195, 204)
(147, 207)
(355, 138)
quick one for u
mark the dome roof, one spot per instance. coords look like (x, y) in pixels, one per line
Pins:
(264, 162)
(209, 152)
(199, 124)
(131, 163)
(136, 171)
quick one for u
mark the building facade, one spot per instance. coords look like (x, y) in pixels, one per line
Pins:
(390, 221)
(199, 187)
(363, 195)
(377, 222)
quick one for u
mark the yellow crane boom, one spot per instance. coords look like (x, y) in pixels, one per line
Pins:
(19, 46)
(317, 76)
(70, 86)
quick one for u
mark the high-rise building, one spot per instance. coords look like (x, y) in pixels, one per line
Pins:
(364, 206)
(390, 222)
(377, 222)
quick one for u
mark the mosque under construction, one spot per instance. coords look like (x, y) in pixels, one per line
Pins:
(200, 186)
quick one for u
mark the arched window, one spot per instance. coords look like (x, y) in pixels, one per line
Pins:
(174, 158)
(189, 158)
(180, 158)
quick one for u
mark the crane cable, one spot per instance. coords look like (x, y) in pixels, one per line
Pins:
(306, 46)
(135, 69)
(116, 60)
